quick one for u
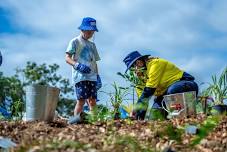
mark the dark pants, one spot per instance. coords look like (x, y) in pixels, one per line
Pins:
(178, 87)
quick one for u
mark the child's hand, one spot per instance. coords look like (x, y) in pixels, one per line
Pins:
(82, 68)
(98, 83)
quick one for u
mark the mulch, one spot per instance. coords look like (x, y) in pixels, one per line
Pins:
(113, 136)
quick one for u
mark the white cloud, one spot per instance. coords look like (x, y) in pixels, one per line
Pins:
(181, 31)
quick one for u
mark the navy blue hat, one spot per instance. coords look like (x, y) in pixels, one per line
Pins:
(88, 24)
(131, 58)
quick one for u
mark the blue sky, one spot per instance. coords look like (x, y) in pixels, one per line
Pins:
(190, 33)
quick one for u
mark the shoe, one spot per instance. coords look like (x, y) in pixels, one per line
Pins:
(74, 120)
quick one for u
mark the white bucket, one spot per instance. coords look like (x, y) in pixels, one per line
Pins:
(180, 104)
(41, 102)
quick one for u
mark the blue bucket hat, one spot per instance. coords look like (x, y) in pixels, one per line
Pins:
(131, 58)
(88, 24)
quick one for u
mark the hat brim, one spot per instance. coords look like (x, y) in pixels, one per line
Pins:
(88, 28)
(133, 61)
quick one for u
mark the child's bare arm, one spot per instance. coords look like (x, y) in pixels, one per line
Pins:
(69, 60)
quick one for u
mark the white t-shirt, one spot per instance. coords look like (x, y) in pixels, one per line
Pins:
(84, 52)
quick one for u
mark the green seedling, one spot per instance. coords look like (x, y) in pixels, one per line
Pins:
(207, 126)
(116, 98)
(218, 87)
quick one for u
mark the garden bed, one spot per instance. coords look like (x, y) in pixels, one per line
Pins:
(118, 135)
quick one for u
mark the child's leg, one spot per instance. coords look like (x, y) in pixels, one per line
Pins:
(81, 93)
(91, 103)
(78, 109)
(92, 94)
(79, 106)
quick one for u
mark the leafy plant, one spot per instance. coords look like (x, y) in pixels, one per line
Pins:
(156, 114)
(100, 113)
(132, 78)
(171, 132)
(218, 88)
(17, 109)
(12, 87)
(40, 74)
(135, 82)
(117, 97)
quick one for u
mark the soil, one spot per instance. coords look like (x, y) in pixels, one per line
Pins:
(113, 136)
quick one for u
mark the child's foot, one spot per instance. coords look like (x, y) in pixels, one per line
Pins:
(74, 120)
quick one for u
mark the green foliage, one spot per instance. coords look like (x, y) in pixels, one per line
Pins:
(17, 109)
(12, 87)
(171, 132)
(40, 74)
(47, 75)
(99, 114)
(117, 97)
(1, 117)
(156, 114)
(207, 126)
(44, 75)
(126, 143)
(35, 74)
(218, 88)
(142, 105)
(174, 133)
(137, 83)
(132, 78)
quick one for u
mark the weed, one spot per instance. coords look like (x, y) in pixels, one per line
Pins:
(171, 132)
(126, 143)
(99, 113)
(207, 126)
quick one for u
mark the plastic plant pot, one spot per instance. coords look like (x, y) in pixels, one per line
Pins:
(219, 109)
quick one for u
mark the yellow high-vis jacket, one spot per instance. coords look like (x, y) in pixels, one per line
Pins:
(160, 74)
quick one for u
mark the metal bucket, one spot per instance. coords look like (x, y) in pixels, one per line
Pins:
(51, 103)
(180, 104)
(41, 102)
(35, 102)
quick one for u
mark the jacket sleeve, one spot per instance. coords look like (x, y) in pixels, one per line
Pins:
(139, 90)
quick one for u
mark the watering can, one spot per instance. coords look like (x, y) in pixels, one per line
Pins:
(180, 104)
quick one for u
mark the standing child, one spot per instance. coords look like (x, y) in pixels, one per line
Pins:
(82, 55)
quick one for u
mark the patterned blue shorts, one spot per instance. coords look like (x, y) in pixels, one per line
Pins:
(86, 89)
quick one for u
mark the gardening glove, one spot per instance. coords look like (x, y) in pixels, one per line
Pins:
(140, 110)
(98, 82)
(141, 106)
(82, 68)
(147, 92)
